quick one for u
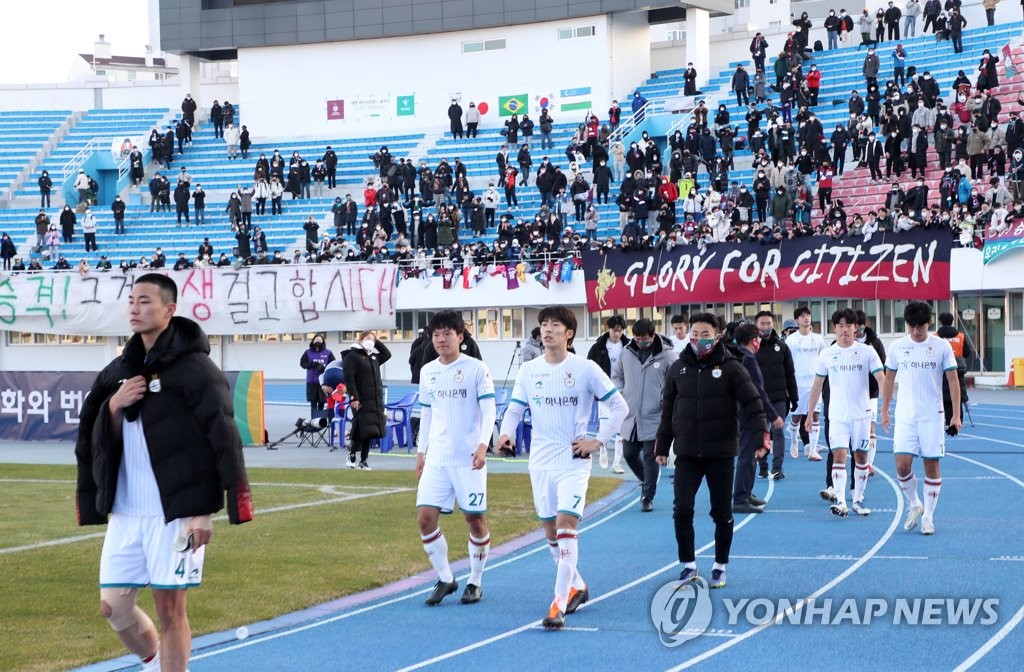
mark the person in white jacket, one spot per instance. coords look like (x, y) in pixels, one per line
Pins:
(89, 229)
(82, 184)
(472, 120)
(231, 140)
(491, 200)
(910, 14)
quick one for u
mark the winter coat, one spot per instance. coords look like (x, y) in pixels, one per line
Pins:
(699, 405)
(642, 383)
(314, 362)
(776, 363)
(188, 421)
(363, 382)
(532, 350)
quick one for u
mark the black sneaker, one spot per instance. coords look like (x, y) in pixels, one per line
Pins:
(763, 471)
(777, 475)
(577, 598)
(441, 591)
(472, 593)
(757, 501)
(555, 618)
(746, 507)
(646, 505)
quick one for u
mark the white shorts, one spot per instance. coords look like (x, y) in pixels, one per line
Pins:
(850, 435)
(926, 439)
(561, 491)
(874, 409)
(801, 404)
(440, 487)
(138, 551)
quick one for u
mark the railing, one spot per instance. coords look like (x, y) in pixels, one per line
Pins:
(683, 119)
(626, 127)
(79, 159)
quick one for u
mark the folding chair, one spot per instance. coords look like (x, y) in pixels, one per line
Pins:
(398, 428)
(342, 416)
(314, 437)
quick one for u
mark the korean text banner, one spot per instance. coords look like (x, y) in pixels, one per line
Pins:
(45, 406)
(910, 265)
(266, 299)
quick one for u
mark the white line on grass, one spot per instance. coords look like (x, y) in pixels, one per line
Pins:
(1013, 622)
(813, 596)
(603, 596)
(274, 509)
(626, 506)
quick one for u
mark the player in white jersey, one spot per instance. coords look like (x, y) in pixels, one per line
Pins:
(805, 345)
(559, 390)
(918, 362)
(846, 364)
(456, 422)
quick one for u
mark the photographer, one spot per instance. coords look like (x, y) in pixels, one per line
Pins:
(314, 360)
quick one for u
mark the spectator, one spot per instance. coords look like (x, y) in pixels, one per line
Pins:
(899, 61)
(314, 360)
(276, 196)
(82, 185)
(229, 113)
(512, 129)
(181, 199)
(117, 208)
(955, 25)
(362, 364)
(990, 11)
(244, 143)
(45, 185)
(638, 106)
(871, 67)
(740, 84)
(689, 81)
(455, 119)
(913, 10)
(89, 230)
(845, 27)
(231, 140)
(892, 20)
(330, 160)
(614, 117)
(533, 348)
(758, 50)
(217, 119)
(880, 25)
(7, 250)
(866, 24)
(988, 77)
(813, 80)
(931, 13)
(832, 28)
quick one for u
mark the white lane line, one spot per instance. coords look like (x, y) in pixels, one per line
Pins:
(627, 505)
(636, 582)
(816, 594)
(991, 643)
(1009, 558)
(1013, 622)
(843, 558)
(63, 541)
(986, 438)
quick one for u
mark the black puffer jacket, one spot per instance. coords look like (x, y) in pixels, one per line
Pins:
(699, 405)
(776, 363)
(599, 354)
(363, 382)
(188, 421)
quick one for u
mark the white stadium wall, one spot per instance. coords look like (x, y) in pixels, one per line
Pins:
(284, 90)
(112, 95)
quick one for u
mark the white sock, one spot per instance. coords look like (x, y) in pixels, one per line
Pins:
(718, 565)
(931, 495)
(872, 448)
(568, 549)
(556, 555)
(908, 484)
(617, 460)
(839, 482)
(689, 565)
(436, 548)
(860, 482)
(815, 431)
(478, 550)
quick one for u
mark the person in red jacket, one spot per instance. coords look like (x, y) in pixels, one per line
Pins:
(668, 193)
(369, 196)
(614, 115)
(813, 84)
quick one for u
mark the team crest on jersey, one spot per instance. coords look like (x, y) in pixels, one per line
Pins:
(154, 385)
(778, 348)
(929, 352)
(569, 380)
(657, 365)
(716, 373)
(856, 355)
(433, 380)
(458, 376)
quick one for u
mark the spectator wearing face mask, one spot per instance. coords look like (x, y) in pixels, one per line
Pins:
(362, 364)
(314, 360)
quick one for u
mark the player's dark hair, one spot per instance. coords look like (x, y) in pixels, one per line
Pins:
(764, 313)
(446, 319)
(745, 333)
(847, 314)
(862, 317)
(946, 319)
(917, 314)
(616, 322)
(168, 288)
(802, 310)
(707, 318)
(560, 314)
(535, 334)
(681, 318)
(643, 327)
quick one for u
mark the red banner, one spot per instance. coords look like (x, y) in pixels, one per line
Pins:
(910, 265)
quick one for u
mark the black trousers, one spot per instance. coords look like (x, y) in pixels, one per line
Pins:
(639, 456)
(690, 471)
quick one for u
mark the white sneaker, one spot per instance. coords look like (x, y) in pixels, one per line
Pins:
(153, 665)
(812, 454)
(828, 494)
(617, 469)
(839, 510)
(794, 444)
(927, 526)
(602, 457)
(351, 461)
(913, 517)
(363, 466)
(860, 509)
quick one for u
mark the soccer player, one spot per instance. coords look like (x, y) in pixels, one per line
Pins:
(157, 449)
(680, 332)
(918, 362)
(456, 421)
(559, 390)
(847, 365)
(805, 346)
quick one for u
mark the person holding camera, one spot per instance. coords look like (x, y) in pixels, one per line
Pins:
(314, 360)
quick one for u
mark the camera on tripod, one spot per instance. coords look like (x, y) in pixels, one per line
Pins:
(312, 424)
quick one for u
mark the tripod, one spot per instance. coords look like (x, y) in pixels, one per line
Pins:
(516, 351)
(314, 425)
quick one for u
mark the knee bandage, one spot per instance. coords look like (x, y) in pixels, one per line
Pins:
(117, 605)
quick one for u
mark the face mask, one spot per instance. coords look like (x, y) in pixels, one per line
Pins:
(861, 331)
(367, 344)
(754, 345)
(765, 333)
(703, 347)
(318, 346)
(644, 345)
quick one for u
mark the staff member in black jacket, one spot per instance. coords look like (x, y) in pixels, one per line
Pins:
(365, 388)
(779, 374)
(157, 449)
(698, 413)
